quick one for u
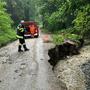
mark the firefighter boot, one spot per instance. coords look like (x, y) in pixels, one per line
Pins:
(19, 49)
(25, 48)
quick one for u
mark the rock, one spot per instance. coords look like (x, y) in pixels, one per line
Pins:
(41, 59)
(0, 81)
(10, 62)
(14, 78)
(20, 75)
(23, 66)
(58, 76)
(22, 63)
(16, 71)
(4, 61)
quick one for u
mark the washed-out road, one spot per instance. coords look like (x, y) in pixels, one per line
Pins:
(27, 70)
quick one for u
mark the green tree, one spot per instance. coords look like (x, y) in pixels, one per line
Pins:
(6, 32)
(65, 14)
(21, 10)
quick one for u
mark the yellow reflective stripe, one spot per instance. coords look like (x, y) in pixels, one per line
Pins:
(19, 36)
(21, 29)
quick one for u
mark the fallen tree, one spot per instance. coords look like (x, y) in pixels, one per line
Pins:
(68, 48)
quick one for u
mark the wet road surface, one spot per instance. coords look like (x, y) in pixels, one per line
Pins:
(27, 70)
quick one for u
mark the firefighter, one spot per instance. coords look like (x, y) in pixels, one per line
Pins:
(32, 29)
(20, 36)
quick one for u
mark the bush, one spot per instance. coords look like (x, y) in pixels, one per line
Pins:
(59, 38)
(82, 21)
(6, 32)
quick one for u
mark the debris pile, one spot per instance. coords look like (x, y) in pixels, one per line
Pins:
(68, 48)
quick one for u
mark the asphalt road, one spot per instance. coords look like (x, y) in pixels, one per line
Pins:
(27, 70)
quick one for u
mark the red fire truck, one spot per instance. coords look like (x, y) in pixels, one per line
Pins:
(31, 29)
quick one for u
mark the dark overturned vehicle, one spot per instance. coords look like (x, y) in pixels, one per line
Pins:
(31, 29)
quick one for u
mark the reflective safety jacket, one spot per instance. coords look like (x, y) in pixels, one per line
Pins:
(20, 32)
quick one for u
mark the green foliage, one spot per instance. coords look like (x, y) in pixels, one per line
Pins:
(21, 10)
(6, 32)
(59, 38)
(58, 15)
(82, 21)
(69, 17)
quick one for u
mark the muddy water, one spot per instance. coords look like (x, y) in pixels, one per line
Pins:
(27, 70)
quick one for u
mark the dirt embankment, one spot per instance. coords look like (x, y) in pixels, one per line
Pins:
(74, 71)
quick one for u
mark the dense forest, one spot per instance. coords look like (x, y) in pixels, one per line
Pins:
(72, 17)
(67, 16)
(63, 14)
(21, 10)
(11, 13)
(6, 22)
